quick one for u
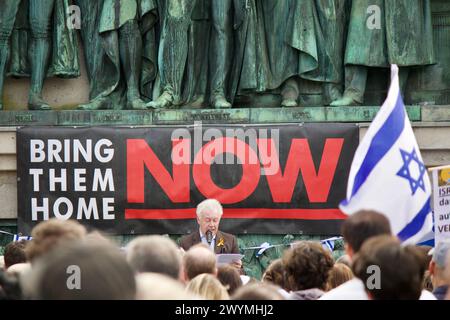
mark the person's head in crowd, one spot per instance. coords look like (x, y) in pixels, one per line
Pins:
(275, 273)
(49, 234)
(438, 268)
(208, 287)
(447, 276)
(156, 286)
(307, 265)
(98, 237)
(423, 254)
(399, 271)
(209, 213)
(15, 253)
(345, 259)
(81, 271)
(155, 254)
(258, 291)
(197, 260)
(19, 269)
(10, 288)
(230, 278)
(339, 274)
(361, 226)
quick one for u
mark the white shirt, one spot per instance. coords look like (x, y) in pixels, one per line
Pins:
(355, 290)
(203, 239)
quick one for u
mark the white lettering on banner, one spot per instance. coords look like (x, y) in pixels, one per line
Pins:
(54, 150)
(107, 208)
(37, 151)
(105, 182)
(63, 209)
(36, 173)
(61, 179)
(79, 149)
(35, 209)
(109, 153)
(58, 180)
(92, 210)
(57, 208)
(79, 179)
(84, 171)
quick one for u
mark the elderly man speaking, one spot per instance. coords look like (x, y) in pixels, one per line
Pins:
(209, 213)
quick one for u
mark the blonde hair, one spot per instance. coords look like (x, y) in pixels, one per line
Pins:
(207, 287)
(154, 286)
(339, 274)
(49, 234)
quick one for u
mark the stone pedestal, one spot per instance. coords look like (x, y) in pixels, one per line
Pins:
(190, 116)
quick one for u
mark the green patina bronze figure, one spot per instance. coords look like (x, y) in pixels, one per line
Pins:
(8, 12)
(250, 63)
(176, 50)
(193, 53)
(120, 50)
(53, 47)
(290, 40)
(222, 43)
(385, 32)
(318, 34)
(282, 57)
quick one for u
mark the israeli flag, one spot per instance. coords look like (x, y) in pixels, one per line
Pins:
(328, 244)
(388, 174)
(18, 238)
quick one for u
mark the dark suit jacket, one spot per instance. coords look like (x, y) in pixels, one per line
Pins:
(230, 244)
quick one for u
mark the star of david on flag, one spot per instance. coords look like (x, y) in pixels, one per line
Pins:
(388, 174)
(405, 171)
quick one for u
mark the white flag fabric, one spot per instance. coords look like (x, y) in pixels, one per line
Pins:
(388, 174)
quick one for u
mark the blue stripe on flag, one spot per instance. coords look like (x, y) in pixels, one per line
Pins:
(381, 143)
(429, 243)
(416, 224)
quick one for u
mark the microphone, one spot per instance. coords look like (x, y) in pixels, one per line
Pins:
(209, 236)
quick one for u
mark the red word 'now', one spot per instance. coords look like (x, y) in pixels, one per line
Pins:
(141, 157)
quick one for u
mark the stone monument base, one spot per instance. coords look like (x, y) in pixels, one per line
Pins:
(211, 116)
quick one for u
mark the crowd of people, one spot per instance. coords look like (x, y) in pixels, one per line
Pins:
(64, 261)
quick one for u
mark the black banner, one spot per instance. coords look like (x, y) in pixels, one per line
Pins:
(270, 179)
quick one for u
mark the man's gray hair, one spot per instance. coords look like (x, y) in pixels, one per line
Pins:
(209, 205)
(155, 254)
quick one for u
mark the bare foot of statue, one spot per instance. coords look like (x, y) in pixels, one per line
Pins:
(289, 103)
(164, 101)
(36, 102)
(96, 104)
(219, 102)
(345, 101)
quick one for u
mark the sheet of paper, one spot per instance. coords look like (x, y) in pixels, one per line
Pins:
(223, 259)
